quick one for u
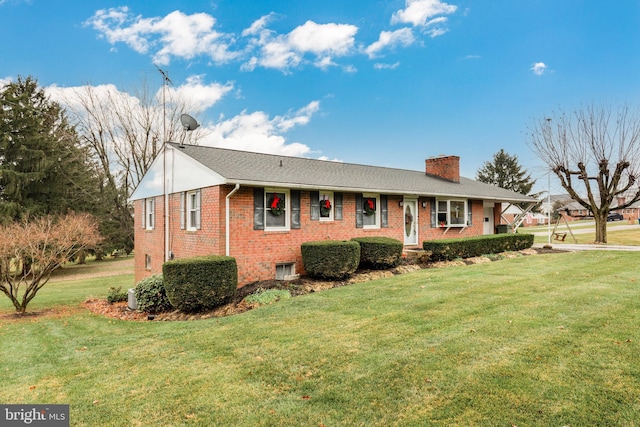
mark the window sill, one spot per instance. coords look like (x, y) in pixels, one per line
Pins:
(276, 230)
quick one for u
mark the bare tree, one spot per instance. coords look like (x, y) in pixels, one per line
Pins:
(595, 153)
(125, 134)
(33, 249)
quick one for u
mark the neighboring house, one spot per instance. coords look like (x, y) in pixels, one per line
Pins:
(631, 213)
(573, 210)
(259, 208)
(512, 214)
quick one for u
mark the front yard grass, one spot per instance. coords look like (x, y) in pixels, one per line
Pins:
(536, 340)
(628, 237)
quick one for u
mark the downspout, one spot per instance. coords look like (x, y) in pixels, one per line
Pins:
(227, 215)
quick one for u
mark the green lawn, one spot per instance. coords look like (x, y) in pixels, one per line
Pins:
(546, 340)
(615, 236)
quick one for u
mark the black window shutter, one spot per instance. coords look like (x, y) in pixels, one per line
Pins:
(295, 209)
(359, 211)
(469, 212)
(384, 212)
(337, 206)
(258, 209)
(434, 214)
(315, 205)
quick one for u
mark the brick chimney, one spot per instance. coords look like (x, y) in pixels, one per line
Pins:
(445, 167)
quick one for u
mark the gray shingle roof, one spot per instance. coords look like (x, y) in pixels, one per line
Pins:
(248, 168)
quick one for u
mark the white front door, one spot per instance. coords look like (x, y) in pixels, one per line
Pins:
(487, 227)
(410, 222)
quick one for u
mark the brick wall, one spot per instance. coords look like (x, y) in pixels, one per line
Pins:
(445, 167)
(258, 251)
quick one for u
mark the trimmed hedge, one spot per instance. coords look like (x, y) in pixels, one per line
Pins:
(379, 252)
(200, 283)
(151, 296)
(330, 259)
(450, 249)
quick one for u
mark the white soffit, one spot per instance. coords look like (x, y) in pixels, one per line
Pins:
(182, 173)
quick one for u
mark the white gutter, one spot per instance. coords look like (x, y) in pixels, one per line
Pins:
(389, 191)
(227, 215)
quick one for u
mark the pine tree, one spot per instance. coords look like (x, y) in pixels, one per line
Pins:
(504, 171)
(43, 168)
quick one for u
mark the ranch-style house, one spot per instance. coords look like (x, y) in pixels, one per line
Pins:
(259, 208)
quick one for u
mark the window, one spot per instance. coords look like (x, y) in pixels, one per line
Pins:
(149, 217)
(370, 208)
(285, 271)
(193, 210)
(276, 209)
(147, 262)
(452, 213)
(326, 206)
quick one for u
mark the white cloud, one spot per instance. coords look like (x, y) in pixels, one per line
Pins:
(201, 96)
(539, 68)
(420, 12)
(175, 35)
(402, 37)
(182, 36)
(258, 133)
(324, 41)
(437, 32)
(382, 66)
(258, 25)
(300, 117)
(72, 97)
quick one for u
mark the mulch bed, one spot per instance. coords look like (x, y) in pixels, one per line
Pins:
(301, 286)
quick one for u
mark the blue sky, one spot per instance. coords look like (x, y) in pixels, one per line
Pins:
(386, 83)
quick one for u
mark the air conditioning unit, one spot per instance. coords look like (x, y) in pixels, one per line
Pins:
(132, 304)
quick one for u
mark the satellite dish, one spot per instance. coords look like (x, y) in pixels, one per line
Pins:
(189, 122)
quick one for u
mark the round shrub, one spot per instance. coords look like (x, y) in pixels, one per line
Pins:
(151, 296)
(200, 283)
(330, 259)
(379, 252)
(116, 295)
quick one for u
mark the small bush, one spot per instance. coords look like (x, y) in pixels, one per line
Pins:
(116, 295)
(201, 283)
(379, 252)
(330, 259)
(450, 249)
(267, 296)
(151, 296)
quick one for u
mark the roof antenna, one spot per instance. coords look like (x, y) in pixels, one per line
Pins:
(189, 124)
(165, 81)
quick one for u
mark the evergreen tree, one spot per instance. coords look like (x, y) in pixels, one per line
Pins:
(504, 171)
(43, 167)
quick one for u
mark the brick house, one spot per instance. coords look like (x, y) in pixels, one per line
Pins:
(259, 208)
